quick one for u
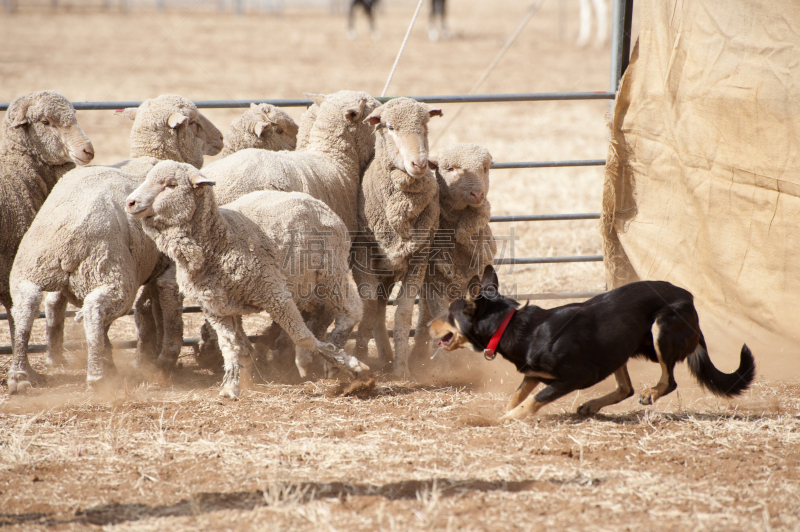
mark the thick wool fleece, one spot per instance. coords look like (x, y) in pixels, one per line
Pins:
(398, 215)
(77, 246)
(464, 244)
(306, 123)
(230, 259)
(264, 127)
(83, 246)
(41, 142)
(338, 150)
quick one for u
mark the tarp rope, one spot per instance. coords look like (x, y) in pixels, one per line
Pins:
(528, 16)
(402, 47)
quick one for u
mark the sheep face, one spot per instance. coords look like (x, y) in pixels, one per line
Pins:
(402, 124)
(45, 123)
(171, 127)
(169, 194)
(465, 170)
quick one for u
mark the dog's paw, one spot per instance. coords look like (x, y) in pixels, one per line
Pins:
(588, 409)
(517, 414)
(648, 396)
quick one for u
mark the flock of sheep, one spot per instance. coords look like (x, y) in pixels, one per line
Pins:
(313, 224)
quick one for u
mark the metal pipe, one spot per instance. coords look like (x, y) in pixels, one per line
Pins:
(546, 217)
(304, 102)
(622, 20)
(549, 164)
(549, 260)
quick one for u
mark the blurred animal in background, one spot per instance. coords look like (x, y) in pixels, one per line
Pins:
(369, 8)
(585, 28)
(438, 11)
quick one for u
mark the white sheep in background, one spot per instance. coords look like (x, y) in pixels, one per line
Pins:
(262, 126)
(84, 248)
(464, 244)
(228, 260)
(329, 167)
(41, 142)
(306, 124)
(398, 214)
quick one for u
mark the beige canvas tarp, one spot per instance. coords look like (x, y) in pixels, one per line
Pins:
(702, 186)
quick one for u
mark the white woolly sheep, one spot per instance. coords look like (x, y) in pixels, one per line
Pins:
(227, 260)
(398, 214)
(328, 168)
(307, 123)
(464, 244)
(84, 248)
(41, 142)
(264, 127)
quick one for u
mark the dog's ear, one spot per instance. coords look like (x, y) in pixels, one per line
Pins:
(473, 289)
(489, 280)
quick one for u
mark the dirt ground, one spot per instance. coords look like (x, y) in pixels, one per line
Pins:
(156, 454)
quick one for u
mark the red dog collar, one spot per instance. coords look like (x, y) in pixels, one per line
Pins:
(489, 352)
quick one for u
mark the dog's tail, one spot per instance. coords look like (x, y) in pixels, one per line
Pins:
(717, 382)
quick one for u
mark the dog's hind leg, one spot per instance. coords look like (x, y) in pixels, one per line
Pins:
(663, 347)
(525, 388)
(623, 391)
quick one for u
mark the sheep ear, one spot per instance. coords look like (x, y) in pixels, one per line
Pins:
(253, 105)
(433, 163)
(17, 111)
(434, 111)
(318, 99)
(199, 180)
(176, 119)
(261, 127)
(128, 112)
(374, 117)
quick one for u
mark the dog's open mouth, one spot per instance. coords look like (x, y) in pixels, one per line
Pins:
(446, 340)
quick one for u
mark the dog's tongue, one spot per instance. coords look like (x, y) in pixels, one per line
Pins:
(440, 343)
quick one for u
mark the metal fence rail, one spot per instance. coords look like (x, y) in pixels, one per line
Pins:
(305, 102)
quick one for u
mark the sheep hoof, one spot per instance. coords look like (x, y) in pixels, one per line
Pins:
(346, 361)
(166, 364)
(230, 392)
(18, 384)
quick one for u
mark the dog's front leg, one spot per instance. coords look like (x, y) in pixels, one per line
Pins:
(523, 391)
(623, 391)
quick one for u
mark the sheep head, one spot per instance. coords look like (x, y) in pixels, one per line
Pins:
(263, 126)
(44, 123)
(171, 128)
(464, 168)
(339, 124)
(169, 195)
(402, 125)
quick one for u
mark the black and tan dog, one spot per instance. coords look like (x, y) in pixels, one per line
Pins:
(576, 346)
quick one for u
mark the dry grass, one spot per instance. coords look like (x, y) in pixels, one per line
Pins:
(170, 455)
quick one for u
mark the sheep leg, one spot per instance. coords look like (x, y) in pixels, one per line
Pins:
(318, 324)
(381, 335)
(21, 375)
(402, 327)
(209, 355)
(55, 308)
(145, 322)
(290, 319)
(100, 308)
(225, 327)
(422, 338)
(5, 300)
(170, 305)
(365, 328)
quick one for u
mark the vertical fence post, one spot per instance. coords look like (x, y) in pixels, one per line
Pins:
(622, 18)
